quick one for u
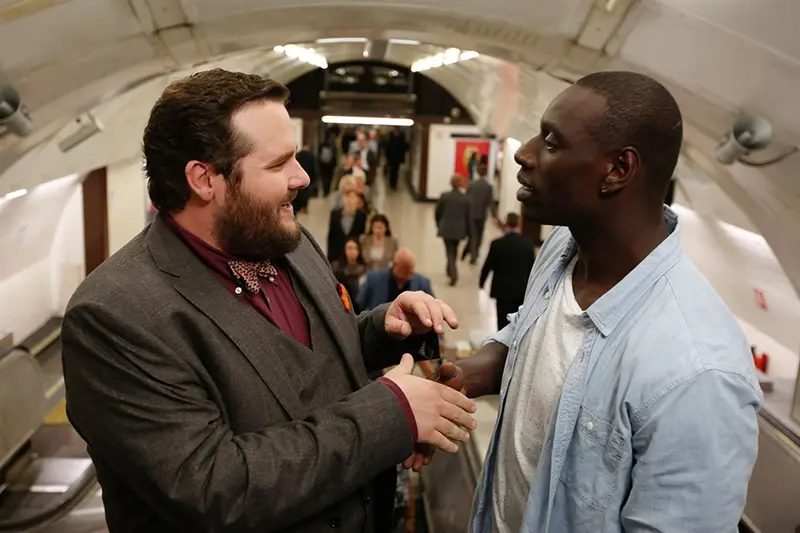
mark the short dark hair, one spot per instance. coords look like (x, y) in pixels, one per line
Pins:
(512, 220)
(641, 113)
(192, 121)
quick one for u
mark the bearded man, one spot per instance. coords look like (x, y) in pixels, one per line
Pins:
(215, 367)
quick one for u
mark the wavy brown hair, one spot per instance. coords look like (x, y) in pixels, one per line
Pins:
(192, 121)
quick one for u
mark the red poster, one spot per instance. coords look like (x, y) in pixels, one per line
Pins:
(468, 153)
(761, 300)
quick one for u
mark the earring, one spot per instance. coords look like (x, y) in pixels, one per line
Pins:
(604, 190)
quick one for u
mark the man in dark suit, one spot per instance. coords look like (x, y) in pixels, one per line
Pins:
(368, 158)
(511, 259)
(454, 223)
(218, 378)
(481, 194)
(395, 155)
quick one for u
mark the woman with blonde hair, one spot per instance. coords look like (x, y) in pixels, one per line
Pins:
(346, 185)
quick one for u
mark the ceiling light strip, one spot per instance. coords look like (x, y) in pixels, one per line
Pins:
(341, 40)
(407, 42)
(367, 121)
(15, 194)
(448, 57)
(301, 53)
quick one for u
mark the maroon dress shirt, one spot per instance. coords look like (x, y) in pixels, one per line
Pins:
(276, 301)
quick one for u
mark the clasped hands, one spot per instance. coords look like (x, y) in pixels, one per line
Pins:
(441, 409)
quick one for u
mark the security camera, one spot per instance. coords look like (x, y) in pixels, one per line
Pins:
(12, 115)
(748, 134)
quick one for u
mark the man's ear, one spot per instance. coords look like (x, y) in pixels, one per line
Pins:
(199, 177)
(621, 171)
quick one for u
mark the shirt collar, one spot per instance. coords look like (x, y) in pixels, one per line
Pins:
(610, 308)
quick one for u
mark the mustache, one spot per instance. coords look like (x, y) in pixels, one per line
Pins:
(290, 197)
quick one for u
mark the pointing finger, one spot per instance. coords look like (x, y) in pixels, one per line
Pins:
(420, 308)
(449, 315)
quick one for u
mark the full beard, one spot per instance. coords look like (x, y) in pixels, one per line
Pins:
(248, 230)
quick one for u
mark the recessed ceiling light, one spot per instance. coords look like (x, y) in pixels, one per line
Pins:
(408, 42)
(15, 194)
(367, 121)
(340, 40)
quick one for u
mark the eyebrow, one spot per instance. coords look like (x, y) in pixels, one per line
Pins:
(549, 126)
(281, 158)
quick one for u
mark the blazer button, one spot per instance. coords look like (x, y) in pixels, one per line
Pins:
(334, 523)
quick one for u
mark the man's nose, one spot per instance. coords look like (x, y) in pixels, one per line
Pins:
(526, 156)
(300, 179)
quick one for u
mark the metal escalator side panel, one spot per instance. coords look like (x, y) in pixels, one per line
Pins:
(22, 402)
(774, 489)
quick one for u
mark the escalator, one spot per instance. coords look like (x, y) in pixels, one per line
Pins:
(46, 477)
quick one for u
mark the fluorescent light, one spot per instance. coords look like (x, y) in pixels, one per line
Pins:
(409, 42)
(341, 40)
(15, 194)
(448, 57)
(367, 121)
(301, 53)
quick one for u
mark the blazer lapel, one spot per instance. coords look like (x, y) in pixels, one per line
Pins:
(239, 322)
(305, 264)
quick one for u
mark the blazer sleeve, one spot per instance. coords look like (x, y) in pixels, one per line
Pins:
(377, 347)
(147, 413)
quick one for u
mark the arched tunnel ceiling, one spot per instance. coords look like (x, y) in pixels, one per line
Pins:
(719, 57)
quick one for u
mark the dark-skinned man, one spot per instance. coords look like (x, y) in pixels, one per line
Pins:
(628, 396)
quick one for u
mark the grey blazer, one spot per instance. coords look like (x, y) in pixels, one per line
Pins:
(201, 416)
(481, 195)
(454, 216)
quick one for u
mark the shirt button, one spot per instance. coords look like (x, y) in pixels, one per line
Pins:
(547, 295)
(238, 290)
(334, 523)
(589, 426)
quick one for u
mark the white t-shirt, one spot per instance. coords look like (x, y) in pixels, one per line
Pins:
(546, 353)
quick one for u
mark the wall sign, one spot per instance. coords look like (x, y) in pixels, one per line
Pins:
(761, 300)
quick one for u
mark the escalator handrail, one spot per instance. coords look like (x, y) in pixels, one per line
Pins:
(82, 489)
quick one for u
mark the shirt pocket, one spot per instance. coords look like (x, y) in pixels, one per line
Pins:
(594, 458)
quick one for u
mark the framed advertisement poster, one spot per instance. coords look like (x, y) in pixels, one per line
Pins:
(468, 154)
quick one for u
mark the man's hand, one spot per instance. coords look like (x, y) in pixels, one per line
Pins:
(451, 376)
(441, 413)
(415, 313)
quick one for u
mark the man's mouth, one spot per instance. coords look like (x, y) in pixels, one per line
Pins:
(288, 202)
(525, 186)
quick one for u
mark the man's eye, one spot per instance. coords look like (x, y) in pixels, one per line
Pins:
(550, 141)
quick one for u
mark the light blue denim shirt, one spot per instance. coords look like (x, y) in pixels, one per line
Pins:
(656, 429)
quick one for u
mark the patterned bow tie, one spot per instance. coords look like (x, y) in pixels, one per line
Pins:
(248, 273)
